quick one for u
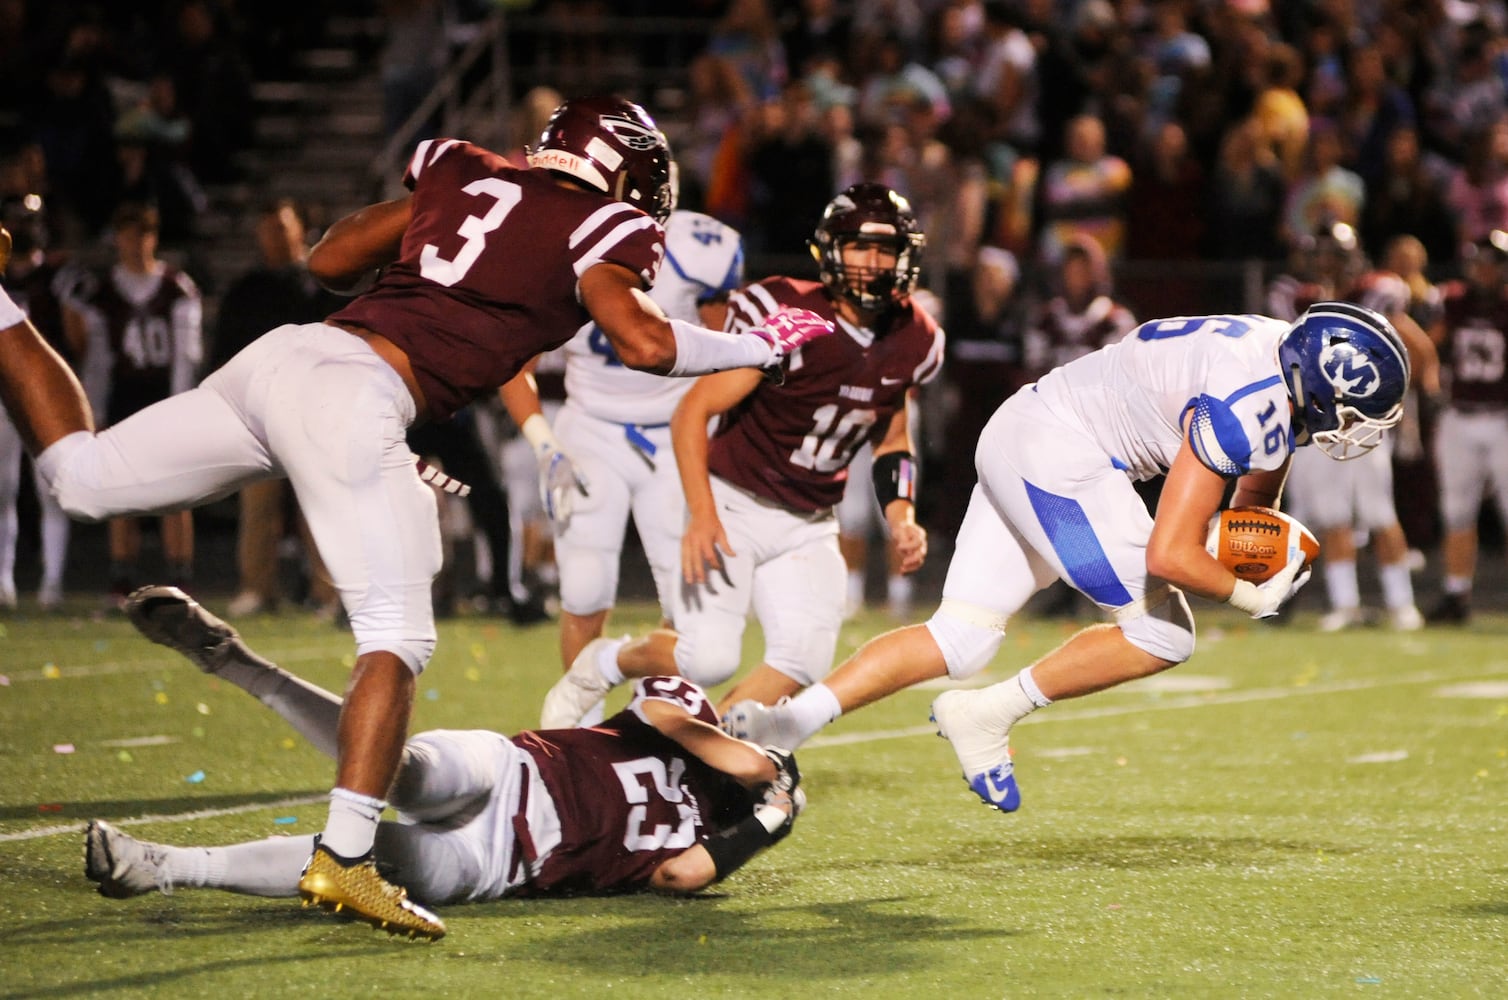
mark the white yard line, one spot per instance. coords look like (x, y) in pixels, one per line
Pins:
(848, 739)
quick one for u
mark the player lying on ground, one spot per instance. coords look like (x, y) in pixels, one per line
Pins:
(656, 797)
(1210, 401)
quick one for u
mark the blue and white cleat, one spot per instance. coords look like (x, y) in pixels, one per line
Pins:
(983, 751)
(997, 787)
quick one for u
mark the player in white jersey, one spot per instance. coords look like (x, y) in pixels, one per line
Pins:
(1339, 502)
(1204, 399)
(609, 453)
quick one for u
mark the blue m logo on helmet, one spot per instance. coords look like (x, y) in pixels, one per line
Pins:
(1347, 370)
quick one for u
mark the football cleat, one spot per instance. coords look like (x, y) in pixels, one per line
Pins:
(171, 618)
(1406, 618)
(1453, 609)
(984, 754)
(121, 865)
(1341, 619)
(768, 726)
(355, 888)
(577, 692)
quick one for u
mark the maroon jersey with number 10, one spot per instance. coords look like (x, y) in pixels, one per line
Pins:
(791, 443)
(629, 798)
(486, 278)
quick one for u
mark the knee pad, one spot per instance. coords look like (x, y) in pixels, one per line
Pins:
(588, 578)
(1161, 624)
(709, 656)
(55, 467)
(414, 653)
(968, 636)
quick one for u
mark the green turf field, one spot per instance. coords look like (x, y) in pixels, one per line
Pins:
(1287, 815)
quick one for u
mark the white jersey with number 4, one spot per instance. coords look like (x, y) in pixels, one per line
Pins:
(703, 260)
(1132, 397)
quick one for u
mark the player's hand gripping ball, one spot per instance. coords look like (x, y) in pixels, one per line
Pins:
(1255, 542)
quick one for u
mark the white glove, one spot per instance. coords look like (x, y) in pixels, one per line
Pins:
(1262, 600)
(559, 479)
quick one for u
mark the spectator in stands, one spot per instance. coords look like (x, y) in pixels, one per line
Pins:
(214, 87)
(1408, 198)
(278, 290)
(819, 30)
(1246, 198)
(791, 166)
(748, 38)
(985, 330)
(1280, 111)
(1326, 190)
(1162, 222)
(900, 86)
(1372, 110)
(1083, 194)
(1080, 316)
(412, 59)
(1478, 190)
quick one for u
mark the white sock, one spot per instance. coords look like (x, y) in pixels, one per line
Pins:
(1010, 701)
(607, 661)
(352, 827)
(812, 709)
(1460, 586)
(1341, 585)
(898, 591)
(855, 588)
(268, 867)
(1397, 585)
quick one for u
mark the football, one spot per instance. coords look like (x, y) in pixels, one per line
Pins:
(1256, 542)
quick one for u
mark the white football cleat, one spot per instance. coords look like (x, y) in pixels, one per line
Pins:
(122, 865)
(1406, 619)
(766, 725)
(575, 695)
(983, 750)
(1340, 619)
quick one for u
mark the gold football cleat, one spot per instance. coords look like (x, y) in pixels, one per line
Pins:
(356, 889)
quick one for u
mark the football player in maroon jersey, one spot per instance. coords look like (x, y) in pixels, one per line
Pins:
(481, 267)
(1471, 435)
(656, 797)
(760, 494)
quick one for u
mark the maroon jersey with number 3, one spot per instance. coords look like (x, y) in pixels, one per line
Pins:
(486, 278)
(791, 444)
(628, 797)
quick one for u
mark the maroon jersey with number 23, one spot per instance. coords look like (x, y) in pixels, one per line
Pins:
(629, 798)
(486, 278)
(791, 444)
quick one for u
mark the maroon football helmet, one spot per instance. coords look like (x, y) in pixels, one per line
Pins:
(869, 214)
(613, 146)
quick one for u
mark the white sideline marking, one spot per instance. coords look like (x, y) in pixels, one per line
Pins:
(1475, 689)
(1380, 757)
(138, 667)
(1062, 715)
(52, 831)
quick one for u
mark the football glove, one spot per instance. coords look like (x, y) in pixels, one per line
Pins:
(784, 793)
(559, 481)
(785, 330)
(1262, 600)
